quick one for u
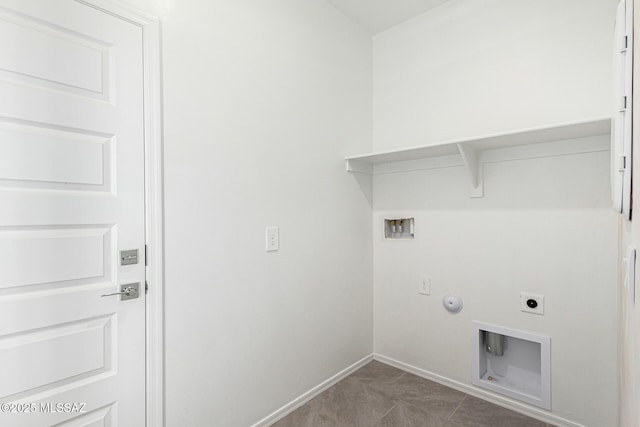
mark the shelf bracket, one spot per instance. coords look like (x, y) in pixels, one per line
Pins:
(474, 167)
(355, 166)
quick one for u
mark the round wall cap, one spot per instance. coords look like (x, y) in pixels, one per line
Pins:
(452, 303)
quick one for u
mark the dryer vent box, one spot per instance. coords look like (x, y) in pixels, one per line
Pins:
(513, 363)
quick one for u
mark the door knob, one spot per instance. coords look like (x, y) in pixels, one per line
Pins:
(128, 291)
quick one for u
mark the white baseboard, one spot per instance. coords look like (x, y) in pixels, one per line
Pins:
(481, 394)
(305, 397)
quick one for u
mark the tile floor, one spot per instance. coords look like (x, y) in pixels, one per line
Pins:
(379, 395)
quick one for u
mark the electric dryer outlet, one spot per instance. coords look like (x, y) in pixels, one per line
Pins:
(532, 303)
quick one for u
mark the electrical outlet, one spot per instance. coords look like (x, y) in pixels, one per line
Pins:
(532, 303)
(424, 285)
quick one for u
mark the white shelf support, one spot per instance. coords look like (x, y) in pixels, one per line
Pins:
(474, 168)
(359, 167)
(585, 136)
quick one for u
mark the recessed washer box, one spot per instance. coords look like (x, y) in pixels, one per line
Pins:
(520, 369)
(399, 228)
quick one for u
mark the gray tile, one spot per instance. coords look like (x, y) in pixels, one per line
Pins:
(382, 396)
(475, 412)
(429, 396)
(375, 371)
(405, 415)
(350, 403)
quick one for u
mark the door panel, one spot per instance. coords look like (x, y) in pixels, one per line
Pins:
(39, 157)
(72, 192)
(62, 254)
(41, 54)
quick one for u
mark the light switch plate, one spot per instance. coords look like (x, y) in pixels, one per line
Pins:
(630, 274)
(424, 285)
(273, 239)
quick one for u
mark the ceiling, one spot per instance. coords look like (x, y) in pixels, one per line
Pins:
(378, 15)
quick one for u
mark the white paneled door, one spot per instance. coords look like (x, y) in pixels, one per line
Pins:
(71, 198)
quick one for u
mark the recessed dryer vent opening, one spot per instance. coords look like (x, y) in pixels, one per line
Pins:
(513, 363)
(400, 228)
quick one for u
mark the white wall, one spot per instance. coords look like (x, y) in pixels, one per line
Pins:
(544, 226)
(469, 68)
(262, 101)
(629, 329)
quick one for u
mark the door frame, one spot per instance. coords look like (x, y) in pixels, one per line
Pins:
(154, 204)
